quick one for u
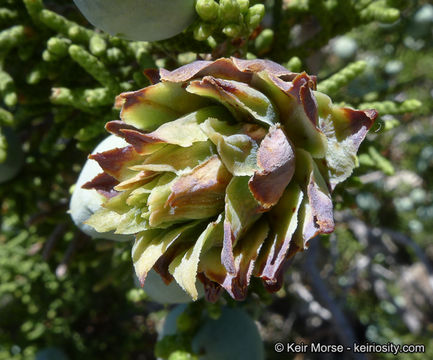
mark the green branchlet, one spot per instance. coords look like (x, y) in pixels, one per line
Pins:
(379, 11)
(350, 14)
(362, 4)
(141, 52)
(58, 46)
(342, 77)
(374, 159)
(298, 6)
(214, 310)
(3, 147)
(12, 37)
(263, 42)
(392, 107)
(115, 55)
(97, 45)
(6, 118)
(65, 27)
(94, 67)
(7, 14)
(84, 99)
(36, 75)
(7, 89)
(34, 7)
(88, 132)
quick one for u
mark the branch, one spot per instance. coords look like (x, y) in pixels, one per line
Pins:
(342, 325)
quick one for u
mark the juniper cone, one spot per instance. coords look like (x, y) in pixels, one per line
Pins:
(228, 174)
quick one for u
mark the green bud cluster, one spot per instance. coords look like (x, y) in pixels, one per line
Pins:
(175, 346)
(97, 45)
(232, 18)
(263, 41)
(6, 118)
(178, 346)
(294, 64)
(182, 355)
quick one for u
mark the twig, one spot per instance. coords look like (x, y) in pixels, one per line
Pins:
(407, 241)
(367, 234)
(62, 268)
(342, 325)
(51, 241)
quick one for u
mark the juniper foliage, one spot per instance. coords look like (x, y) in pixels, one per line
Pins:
(58, 79)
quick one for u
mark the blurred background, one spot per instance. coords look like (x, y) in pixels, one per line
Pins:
(66, 296)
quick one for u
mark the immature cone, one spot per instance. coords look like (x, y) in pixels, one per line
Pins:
(228, 173)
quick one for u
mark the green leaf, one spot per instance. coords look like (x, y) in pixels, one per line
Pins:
(276, 165)
(245, 254)
(104, 220)
(308, 176)
(243, 101)
(151, 244)
(196, 195)
(178, 159)
(155, 105)
(184, 267)
(284, 221)
(186, 130)
(299, 127)
(237, 151)
(132, 222)
(345, 129)
(241, 211)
